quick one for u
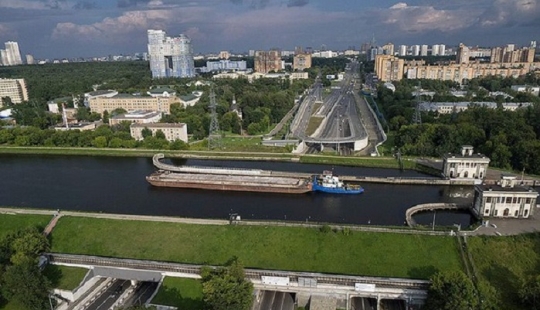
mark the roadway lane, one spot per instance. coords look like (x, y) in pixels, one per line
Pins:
(109, 297)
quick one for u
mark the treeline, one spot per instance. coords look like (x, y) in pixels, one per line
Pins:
(117, 136)
(49, 81)
(509, 139)
(21, 280)
(262, 103)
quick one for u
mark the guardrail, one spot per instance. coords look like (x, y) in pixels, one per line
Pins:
(430, 207)
(252, 274)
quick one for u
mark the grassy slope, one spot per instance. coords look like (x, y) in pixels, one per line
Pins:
(504, 261)
(283, 248)
(64, 277)
(10, 223)
(183, 293)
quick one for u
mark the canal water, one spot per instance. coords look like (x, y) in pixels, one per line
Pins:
(118, 185)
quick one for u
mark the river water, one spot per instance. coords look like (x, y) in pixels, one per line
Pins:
(118, 185)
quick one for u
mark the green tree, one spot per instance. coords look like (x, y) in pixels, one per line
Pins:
(160, 134)
(118, 111)
(451, 291)
(226, 288)
(100, 141)
(82, 114)
(105, 117)
(26, 284)
(178, 145)
(146, 133)
(530, 292)
(6, 102)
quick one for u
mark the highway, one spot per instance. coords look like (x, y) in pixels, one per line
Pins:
(110, 295)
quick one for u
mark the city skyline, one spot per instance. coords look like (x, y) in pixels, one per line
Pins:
(45, 28)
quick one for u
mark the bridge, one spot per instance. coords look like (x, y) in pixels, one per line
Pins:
(410, 291)
(432, 207)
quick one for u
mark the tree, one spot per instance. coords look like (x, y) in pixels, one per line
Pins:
(226, 288)
(146, 133)
(27, 285)
(530, 292)
(160, 134)
(105, 117)
(118, 111)
(451, 291)
(6, 102)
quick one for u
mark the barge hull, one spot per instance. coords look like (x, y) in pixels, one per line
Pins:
(231, 187)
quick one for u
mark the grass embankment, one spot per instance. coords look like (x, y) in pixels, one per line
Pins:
(375, 162)
(240, 144)
(183, 293)
(13, 222)
(314, 123)
(64, 277)
(504, 262)
(283, 248)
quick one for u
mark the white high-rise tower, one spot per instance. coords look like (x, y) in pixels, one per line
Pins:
(170, 57)
(14, 55)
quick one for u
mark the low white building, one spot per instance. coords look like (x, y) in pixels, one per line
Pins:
(504, 199)
(177, 131)
(139, 117)
(466, 165)
(451, 107)
(535, 90)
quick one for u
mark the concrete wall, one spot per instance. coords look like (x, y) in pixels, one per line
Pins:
(361, 144)
(79, 291)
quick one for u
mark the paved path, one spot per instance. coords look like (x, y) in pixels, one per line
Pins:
(507, 227)
(52, 223)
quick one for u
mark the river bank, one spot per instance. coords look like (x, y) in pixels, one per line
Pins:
(373, 162)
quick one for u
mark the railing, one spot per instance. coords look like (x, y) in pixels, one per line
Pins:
(253, 274)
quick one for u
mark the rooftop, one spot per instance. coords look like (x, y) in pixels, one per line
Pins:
(159, 125)
(498, 188)
(137, 114)
(101, 92)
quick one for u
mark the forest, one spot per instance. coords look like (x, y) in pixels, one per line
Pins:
(509, 139)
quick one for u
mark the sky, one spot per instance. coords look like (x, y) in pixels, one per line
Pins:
(85, 28)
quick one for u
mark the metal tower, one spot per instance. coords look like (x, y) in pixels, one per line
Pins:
(214, 135)
(417, 116)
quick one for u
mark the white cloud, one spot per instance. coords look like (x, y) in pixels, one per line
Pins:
(425, 18)
(511, 12)
(34, 4)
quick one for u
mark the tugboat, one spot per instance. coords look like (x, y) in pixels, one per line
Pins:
(329, 183)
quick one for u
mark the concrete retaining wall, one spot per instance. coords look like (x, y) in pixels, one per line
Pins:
(431, 207)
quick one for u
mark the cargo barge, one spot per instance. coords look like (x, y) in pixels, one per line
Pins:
(227, 179)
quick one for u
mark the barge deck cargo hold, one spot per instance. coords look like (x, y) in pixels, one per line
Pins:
(214, 178)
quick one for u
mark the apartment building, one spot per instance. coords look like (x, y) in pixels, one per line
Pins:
(172, 132)
(14, 89)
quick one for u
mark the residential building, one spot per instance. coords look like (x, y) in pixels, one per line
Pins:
(11, 56)
(423, 50)
(225, 65)
(456, 107)
(415, 50)
(139, 117)
(462, 55)
(402, 50)
(298, 76)
(466, 165)
(301, 60)
(505, 199)
(189, 100)
(442, 50)
(535, 90)
(131, 103)
(170, 57)
(266, 61)
(161, 91)
(509, 54)
(389, 68)
(435, 50)
(99, 93)
(15, 89)
(388, 49)
(172, 132)
(224, 55)
(29, 59)
(466, 71)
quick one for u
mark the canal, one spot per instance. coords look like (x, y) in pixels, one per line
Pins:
(118, 185)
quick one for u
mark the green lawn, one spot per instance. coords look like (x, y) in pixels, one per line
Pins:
(11, 306)
(240, 144)
(183, 293)
(504, 261)
(314, 123)
(379, 162)
(10, 223)
(283, 248)
(64, 277)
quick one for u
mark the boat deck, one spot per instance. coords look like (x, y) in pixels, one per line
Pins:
(230, 179)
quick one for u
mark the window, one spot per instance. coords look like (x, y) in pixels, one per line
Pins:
(506, 212)
(487, 211)
(514, 200)
(508, 199)
(526, 213)
(516, 213)
(528, 200)
(488, 200)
